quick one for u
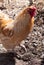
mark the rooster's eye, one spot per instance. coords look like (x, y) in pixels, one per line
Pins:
(30, 10)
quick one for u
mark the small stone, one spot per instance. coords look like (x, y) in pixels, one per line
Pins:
(35, 33)
(34, 29)
(39, 34)
(35, 45)
(43, 41)
(42, 56)
(43, 34)
(26, 41)
(27, 38)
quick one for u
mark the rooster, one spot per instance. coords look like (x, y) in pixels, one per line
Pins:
(17, 30)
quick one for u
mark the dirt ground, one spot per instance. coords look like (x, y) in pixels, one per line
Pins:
(34, 42)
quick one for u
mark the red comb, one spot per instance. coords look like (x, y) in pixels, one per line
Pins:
(32, 10)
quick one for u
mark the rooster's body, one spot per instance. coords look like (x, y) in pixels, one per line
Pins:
(16, 30)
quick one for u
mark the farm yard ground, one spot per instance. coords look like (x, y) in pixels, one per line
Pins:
(34, 42)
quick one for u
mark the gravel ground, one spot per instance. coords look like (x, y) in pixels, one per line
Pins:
(34, 42)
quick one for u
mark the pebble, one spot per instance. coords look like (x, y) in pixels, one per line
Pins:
(42, 56)
(43, 41)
